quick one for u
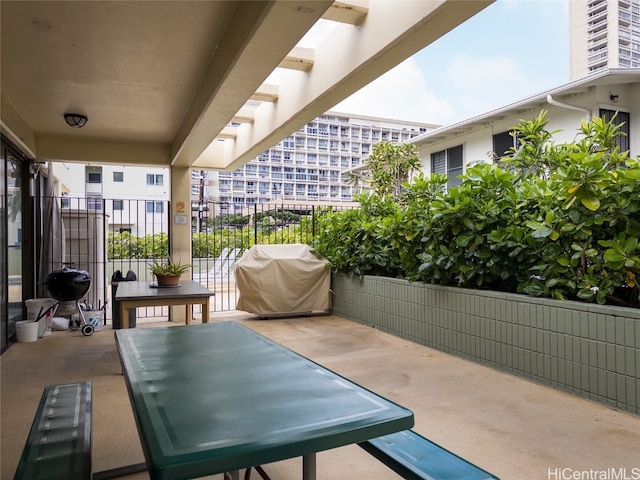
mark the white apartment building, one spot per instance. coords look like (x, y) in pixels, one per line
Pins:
(611, 93)
(132, 199)
(307, 166)
(603, 34)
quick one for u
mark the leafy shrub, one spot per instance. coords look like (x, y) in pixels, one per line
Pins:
(125, 245)
(559, 221)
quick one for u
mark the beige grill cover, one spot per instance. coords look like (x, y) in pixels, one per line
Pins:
(278, 279)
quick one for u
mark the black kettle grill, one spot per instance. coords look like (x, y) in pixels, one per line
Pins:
(68, 286)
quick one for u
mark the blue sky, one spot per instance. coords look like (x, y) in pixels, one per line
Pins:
(509, 51)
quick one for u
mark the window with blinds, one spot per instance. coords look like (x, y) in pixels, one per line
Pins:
(454, 161)
(450, 163)
(621, 118)
(439, 162)
(503, 143)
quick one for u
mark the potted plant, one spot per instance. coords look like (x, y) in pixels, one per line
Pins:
(168, 273)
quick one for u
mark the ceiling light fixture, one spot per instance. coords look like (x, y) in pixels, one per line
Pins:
(75, 120)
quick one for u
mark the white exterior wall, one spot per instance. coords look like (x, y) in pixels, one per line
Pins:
(475, 146)
(134, 185)
(135, 193)
(477, 140)
(633, 94)
(133, 190)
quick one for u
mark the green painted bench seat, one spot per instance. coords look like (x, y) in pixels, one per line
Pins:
(59, 443)
(413, 457)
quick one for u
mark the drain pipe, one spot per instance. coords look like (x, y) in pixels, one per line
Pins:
(552, 101)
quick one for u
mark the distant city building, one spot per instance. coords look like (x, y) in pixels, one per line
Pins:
(603, 34)
(307, 166)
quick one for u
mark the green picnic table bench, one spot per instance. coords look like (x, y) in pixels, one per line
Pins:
(59, 442)
(414, 457)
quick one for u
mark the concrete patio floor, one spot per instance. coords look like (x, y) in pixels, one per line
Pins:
(509, 426)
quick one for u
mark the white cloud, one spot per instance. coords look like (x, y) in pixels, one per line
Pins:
(474, 68)
(474, 86)
(402, 93)
(481, 73)
(483, 84)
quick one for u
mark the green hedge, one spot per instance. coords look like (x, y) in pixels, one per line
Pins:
(552, 220)
(208, 245)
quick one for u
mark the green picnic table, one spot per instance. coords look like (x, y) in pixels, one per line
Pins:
(219, 397)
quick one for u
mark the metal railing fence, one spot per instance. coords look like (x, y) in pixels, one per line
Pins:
(103, 236)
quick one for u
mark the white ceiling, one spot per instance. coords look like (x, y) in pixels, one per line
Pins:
(160, 81)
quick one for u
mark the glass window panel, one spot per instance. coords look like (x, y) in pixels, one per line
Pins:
(454, 158)
(439, 162)
(93, 177)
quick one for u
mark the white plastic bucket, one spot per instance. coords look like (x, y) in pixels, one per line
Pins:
(27, 331)
(34, 307)
(35, 304)
(94, 318)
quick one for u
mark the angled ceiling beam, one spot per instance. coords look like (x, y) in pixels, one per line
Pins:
(266, 93)
(228, 133)
(300, 59)
(245, 115)
(243, 60)
(352, 12)
(387, 36)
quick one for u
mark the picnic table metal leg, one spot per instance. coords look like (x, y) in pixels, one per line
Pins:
(309, 467)
(260, 470)
(120, 471)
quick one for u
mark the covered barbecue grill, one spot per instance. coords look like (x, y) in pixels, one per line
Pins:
(277, 280)
(68, 286)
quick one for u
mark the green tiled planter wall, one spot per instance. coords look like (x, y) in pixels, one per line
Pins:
(586, 349)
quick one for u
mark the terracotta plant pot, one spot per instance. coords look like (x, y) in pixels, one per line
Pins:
(169, 280)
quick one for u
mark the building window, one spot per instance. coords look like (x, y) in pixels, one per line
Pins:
(621, 118)
(94, 177)
(449, 162)
(288, 143)
(155, 180)
(65, 202)
(118, 177)
(94, 203)
(118, 205)
(155, 207)
(502, 144)
(123, 230)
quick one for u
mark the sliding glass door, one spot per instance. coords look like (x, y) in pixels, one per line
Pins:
(11, 241)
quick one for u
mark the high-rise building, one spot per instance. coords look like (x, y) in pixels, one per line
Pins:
(603, 34)
(308, 165)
